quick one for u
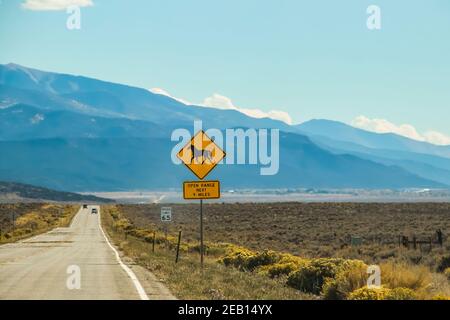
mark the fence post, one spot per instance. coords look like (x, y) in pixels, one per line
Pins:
(405, 241)
(166, 240)
(154, 240)
(178, 247)
(439, 237)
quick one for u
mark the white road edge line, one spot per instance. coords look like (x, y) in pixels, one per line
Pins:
(134, 279)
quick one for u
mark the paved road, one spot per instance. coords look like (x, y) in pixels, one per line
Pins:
(37, 268)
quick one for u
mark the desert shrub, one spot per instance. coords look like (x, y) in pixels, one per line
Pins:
(114, 213)
(308, 279)
(400, 294)
(286, 265)
(123, 224)
(197, 247)
(217, 249)
(444, 263)
(248, 260)
(263, 258)
(236, 257)
(366, 293)
(351, 276)
(447, 273)
(142, 234)
(441, 297)
(311, 277)
(405, 276)
(32, 221)
(279, 269)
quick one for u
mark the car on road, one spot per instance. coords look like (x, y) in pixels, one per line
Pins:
(85, 206)
(94, 211)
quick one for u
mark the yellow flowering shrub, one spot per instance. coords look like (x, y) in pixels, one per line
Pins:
(350, 276)
(441, 297)
(267, 262)
(311, 277)
(366, 293)
(237, 257)
(286, 264)
(447, 273)
(123, 224)
(400, 294)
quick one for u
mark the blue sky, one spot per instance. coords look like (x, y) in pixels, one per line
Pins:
(312, 59)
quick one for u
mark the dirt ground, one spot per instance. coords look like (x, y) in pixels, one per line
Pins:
(310, 229)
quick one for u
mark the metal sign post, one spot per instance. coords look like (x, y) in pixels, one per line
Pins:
(201, 155)
(202, 253)
(178, 247)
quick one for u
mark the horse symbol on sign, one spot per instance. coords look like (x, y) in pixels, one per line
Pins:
(201, 155)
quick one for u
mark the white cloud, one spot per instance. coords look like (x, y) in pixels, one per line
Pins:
(218, 101)
(37, 118)
(221, 102)
(437, 138)
(48, 5)
(167, 94)
(406, 130)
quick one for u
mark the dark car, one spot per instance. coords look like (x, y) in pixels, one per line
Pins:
(85, 206)
(94, 211)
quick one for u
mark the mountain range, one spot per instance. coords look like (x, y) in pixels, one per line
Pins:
(18, 192)
(80, 134)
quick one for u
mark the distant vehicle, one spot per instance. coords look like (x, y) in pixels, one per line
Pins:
(85, 206)
(94, 211)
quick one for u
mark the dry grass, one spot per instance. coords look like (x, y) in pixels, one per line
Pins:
(187, 281)
(32, 219)
(310, 231)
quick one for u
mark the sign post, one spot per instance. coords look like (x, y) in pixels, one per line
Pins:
(202, 248)
(178, 247)
(166, 217)
(201, 155)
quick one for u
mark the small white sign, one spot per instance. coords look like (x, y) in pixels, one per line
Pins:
(166, 214)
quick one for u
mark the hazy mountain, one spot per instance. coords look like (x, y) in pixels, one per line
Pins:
(388, 141)
(22, 122)
(11, 191)
(75, 133)
(54, 91)
(138, 163)
(428, 166)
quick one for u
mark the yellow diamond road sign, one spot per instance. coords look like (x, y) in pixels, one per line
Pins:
(201, 155)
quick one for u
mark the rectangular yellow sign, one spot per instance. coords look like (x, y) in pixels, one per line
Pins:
(200, 190)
